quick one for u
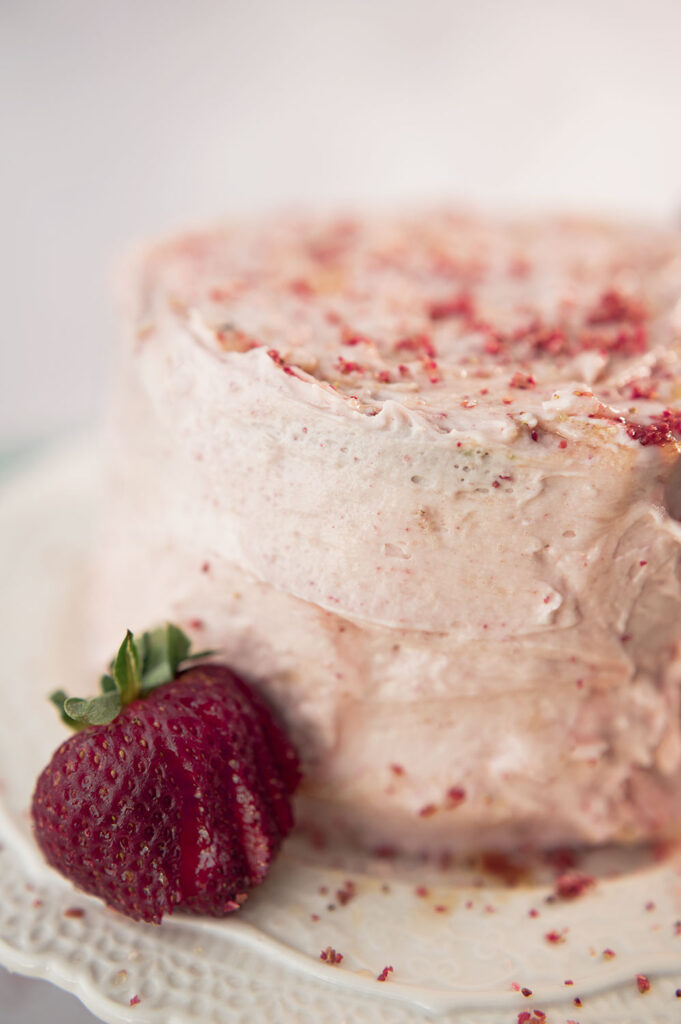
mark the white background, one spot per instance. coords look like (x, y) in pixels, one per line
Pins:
(123, 118)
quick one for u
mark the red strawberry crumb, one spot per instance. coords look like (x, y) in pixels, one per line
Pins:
(355, 338)
(346, 893)
(577, 1001)
(205, 567)
(314, 917)
(135, 1000)
(500, 864)
(383, 976)
(440, 908)
(534, 435)
(613, 307)
(527, 992)
(348, 366)
(533, 912)
(562, 444)
(330, 956)
(524, 1016)
(421, 891)
(572, 884)
(417, 343)
(643, 983)
(515, 986)
(455, 796)
(556, 937)
(457, 305)
(385, 852)
(75, 912)
(609, 954)
(539, 1015)
(523, 381)
(397, 769)
(428, 810)
(568, 981)
(678, 993)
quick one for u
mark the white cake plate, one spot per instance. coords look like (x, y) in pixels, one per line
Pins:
(461, 952)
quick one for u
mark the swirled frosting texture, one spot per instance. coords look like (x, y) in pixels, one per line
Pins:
(417, 477)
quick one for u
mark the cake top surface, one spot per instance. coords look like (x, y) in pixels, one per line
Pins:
(469, 322)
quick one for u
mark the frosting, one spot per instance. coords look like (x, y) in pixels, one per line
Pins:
(416, 477)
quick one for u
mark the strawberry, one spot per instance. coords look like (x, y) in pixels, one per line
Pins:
(174, 792)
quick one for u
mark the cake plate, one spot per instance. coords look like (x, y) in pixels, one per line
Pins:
(463, 945)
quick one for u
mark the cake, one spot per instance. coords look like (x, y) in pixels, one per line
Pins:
(417, 478)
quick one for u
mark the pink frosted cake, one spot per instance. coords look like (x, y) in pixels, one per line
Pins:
(416, 478)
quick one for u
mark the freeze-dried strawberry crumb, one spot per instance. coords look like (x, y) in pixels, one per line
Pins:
(523, 381)
(524, 1016)
(74, 912)
(643, 983)
(556, 937)
(527, 992)
(420, 343)
(383, 976)
(577, 1001)
(572, 884)
(500, 865)
(135, 1000)
(457, 305)
(614, 307)
(346, 893)
(455, 796)
(421, 891)
(330, 955)
(609, 954)
(348, 366)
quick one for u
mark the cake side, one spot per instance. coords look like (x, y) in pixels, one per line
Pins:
(461, 591)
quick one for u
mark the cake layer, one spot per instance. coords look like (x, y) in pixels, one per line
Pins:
(416, 478)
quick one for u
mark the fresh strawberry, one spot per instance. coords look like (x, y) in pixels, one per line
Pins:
(174, 793)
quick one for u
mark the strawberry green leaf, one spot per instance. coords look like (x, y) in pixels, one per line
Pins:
(126, 670)
(97, 711)
(139, 667)
(108, 684)
(58, 698)
(165, 649)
